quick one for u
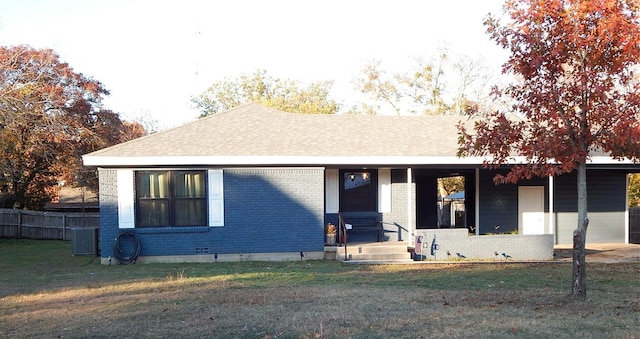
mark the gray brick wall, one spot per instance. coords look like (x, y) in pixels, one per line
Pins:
(398, 214)
(483, 247)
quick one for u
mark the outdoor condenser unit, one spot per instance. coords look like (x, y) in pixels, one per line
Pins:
(84, 241)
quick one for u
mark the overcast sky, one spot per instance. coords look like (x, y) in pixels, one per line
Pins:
(155, 55)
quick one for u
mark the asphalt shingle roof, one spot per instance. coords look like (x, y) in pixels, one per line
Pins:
(256, 130)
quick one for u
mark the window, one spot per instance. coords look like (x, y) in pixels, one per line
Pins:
(171, 198)
(359, 191)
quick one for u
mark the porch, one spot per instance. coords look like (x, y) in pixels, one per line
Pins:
(437, 245)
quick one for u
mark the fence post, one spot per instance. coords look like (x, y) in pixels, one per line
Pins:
(19, 235)
(64, 226)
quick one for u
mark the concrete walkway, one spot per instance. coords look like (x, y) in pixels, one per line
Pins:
(595, 253)
(604, 253)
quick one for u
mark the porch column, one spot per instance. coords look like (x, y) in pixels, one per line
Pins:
(552, 219)
(626, 212)
(477, 202)
(410, 225)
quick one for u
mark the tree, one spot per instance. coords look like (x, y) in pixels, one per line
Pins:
(103, 129)
(468, 71)
(375, 83)
(423, 88)
(576, 95)
(416, 91)
(634, 190)
(49, 115)
(286, 95)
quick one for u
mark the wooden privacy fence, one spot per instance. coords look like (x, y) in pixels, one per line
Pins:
(43, 225)
(634, 225)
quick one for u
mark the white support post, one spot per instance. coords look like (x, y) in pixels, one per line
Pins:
(477, 203)
(410, 225)
(626, 212)
(552, 219)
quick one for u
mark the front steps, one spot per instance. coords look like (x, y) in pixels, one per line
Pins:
(375, 253)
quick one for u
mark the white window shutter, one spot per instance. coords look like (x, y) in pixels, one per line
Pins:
(126, 211)
(384, 190)
(216, 198)
(332, 191)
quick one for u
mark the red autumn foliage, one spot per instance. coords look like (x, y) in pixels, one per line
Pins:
(49, 116)
(576, 95)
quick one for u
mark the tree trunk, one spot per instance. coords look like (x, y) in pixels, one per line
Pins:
(579, 277)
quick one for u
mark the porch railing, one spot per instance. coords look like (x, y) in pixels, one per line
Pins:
(342, 234)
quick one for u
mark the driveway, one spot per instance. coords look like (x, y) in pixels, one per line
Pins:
(604, 253)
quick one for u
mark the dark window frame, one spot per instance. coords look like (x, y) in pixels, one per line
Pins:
(171, 200)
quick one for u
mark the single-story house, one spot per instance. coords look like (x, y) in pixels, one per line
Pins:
(256, 183)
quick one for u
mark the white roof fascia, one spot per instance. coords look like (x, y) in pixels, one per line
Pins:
(273, 160)
(304, 160)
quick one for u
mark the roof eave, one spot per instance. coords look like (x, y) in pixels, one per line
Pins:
(111, 161)
(289, 160)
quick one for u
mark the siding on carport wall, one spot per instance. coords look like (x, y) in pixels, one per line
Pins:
(498, 204)
(606, 198)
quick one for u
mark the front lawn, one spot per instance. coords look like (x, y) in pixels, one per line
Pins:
(46, 292)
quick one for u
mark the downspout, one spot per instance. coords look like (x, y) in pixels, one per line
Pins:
(410, 225)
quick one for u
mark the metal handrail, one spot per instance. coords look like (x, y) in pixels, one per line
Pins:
(396, 224)
(410, 232)
(342, 234)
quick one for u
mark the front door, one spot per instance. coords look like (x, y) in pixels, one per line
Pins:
(531, 209)
(359, 190)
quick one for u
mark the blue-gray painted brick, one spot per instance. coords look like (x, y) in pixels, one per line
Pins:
(266, 210)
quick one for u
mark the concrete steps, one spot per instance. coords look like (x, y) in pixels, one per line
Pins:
(378, 253)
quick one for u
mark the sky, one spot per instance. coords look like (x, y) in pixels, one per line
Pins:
(154, 56)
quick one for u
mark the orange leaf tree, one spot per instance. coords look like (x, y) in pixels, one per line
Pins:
(49, 116)
(575, 93)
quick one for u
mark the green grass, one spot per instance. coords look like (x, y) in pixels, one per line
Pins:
(46, 292)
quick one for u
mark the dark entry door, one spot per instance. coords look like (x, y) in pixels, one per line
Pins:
(358, 190)
(358, 202)
(426, 201)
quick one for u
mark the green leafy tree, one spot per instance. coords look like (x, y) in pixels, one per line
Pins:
(577, 95)
(286, 95)
(450, 185)
(634, 190)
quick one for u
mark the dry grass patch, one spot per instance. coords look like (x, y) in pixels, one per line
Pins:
(78, 299)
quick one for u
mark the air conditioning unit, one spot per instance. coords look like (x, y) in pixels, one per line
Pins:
(84, 241)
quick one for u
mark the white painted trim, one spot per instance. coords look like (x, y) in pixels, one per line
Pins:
(384, 191)
(125, 188)
(265, 160)
(552, 219)
(216, 198)
(626, 212)
(271, 160)
(410, 226)
(332, 190)
(477, 225)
